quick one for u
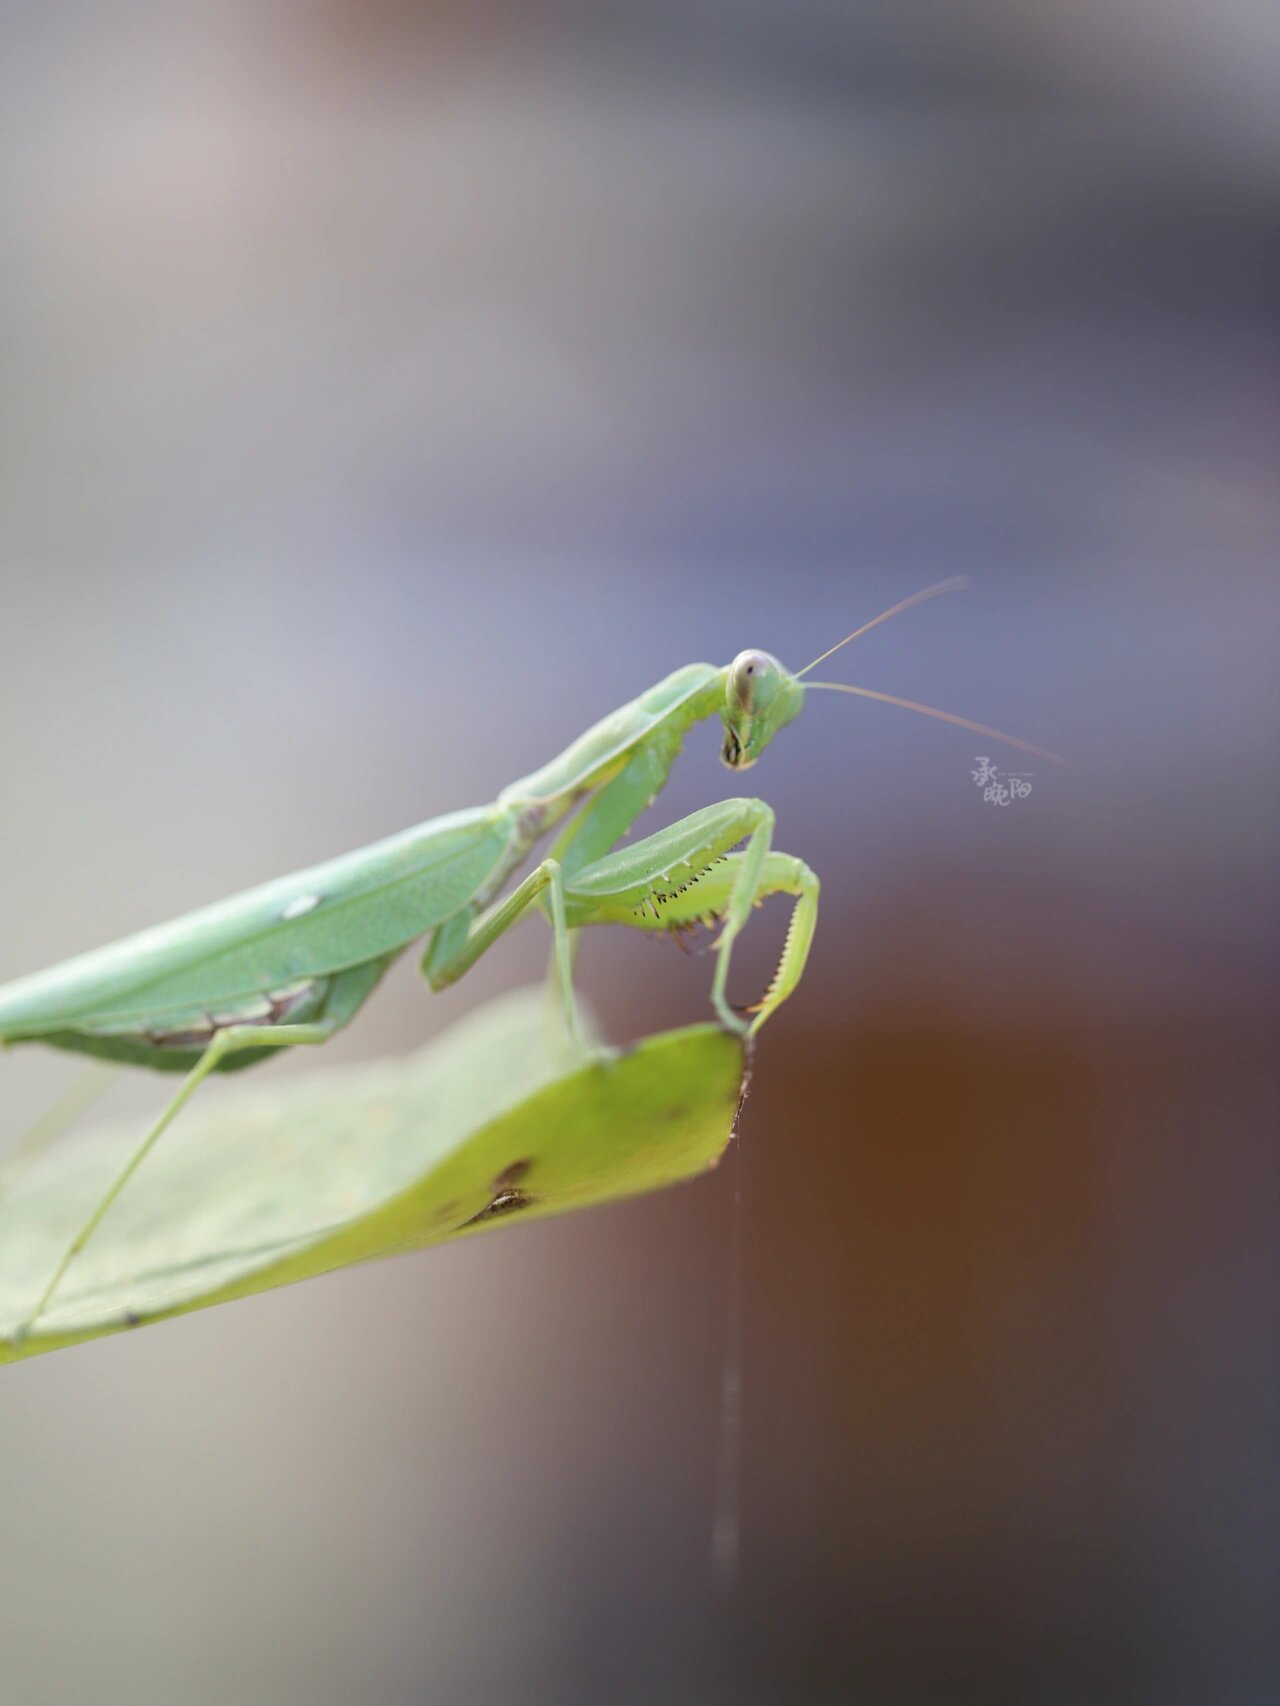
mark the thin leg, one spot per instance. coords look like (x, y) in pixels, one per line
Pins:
(555, 977)
(448, 957)
(456, 944)
(226, 1042)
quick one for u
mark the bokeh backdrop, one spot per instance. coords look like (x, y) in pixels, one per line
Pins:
(390, 390)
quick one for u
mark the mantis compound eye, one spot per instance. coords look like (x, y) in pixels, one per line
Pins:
(751, 676)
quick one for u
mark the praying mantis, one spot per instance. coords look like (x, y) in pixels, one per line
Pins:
(292, 962)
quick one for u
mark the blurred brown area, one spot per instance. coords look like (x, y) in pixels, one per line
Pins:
(1010, 1396)
(1024, 1339)
(392, 390)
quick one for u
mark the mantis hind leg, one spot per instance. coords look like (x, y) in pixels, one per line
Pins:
(349, 992)
(224, 1043)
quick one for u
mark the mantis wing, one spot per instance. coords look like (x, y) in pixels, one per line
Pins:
(347, 911)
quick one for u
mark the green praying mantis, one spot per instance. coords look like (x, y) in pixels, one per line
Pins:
(293, 961)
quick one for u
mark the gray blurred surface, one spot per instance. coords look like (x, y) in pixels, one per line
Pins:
(386, 395)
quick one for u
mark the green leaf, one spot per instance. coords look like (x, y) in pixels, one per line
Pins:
(491, 1124)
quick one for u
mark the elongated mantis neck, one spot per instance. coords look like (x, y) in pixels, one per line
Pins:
(663, 714)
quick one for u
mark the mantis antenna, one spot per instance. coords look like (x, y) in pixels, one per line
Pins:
(955, 584)
(943, 716)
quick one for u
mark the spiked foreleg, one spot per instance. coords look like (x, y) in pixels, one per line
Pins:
(793, 876)
(685, 874)
(705, 901)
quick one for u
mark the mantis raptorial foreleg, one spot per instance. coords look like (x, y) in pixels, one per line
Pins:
(685, 872)
(679, 874)
(746, 891)
(705, 900)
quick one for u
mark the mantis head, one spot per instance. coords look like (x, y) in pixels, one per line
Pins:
(760, 698)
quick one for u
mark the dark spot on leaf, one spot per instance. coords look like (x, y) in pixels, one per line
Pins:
(132, 1318)
(447, 1210)
(511, 1175)
(506, 1202)
(679, 1112)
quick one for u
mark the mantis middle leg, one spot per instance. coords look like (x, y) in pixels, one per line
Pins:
(456, 947)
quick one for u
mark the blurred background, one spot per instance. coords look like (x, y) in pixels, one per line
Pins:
(391, 390)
